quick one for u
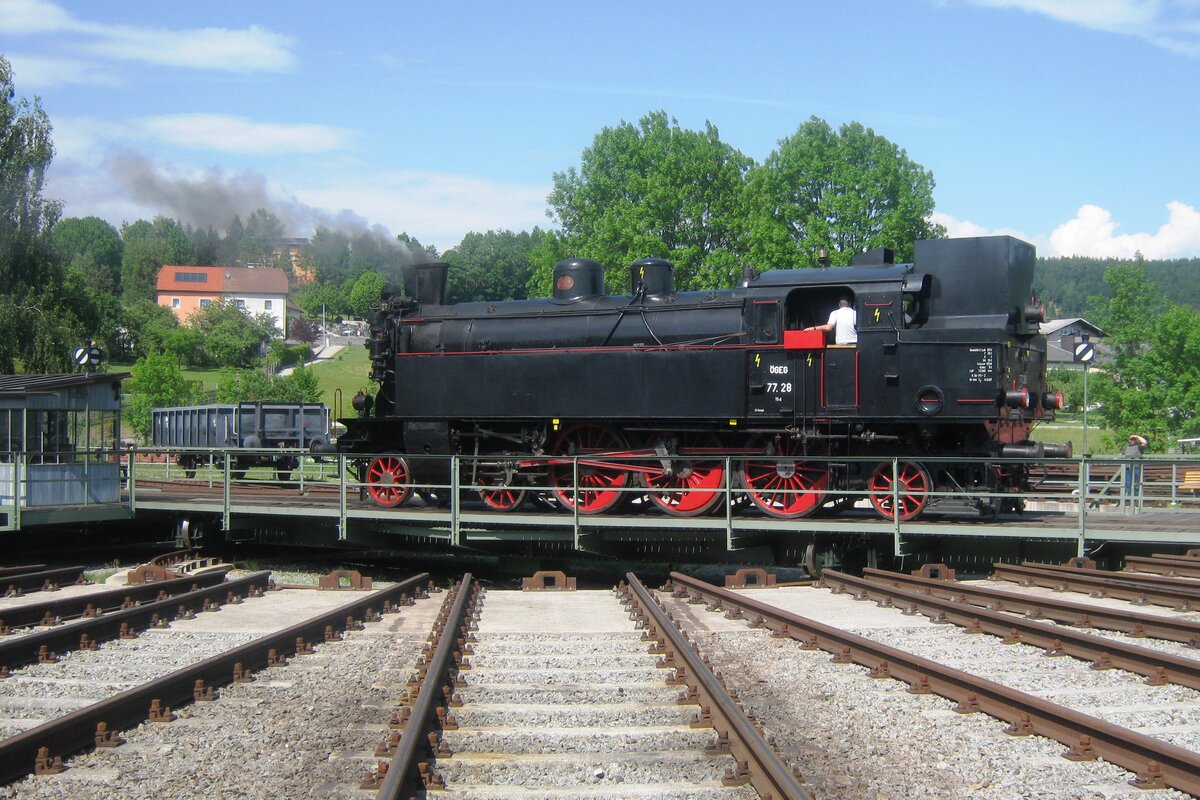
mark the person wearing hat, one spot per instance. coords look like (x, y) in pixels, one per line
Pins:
(1135, 447)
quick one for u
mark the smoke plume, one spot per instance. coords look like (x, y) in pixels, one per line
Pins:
(216, 196)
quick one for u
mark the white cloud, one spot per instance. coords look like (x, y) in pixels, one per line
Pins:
(1093, 233)
(1171, 24)
(960, 228)
(239, 135)
(46, 72)
(251, 50)
(34, 16)
(248, 50)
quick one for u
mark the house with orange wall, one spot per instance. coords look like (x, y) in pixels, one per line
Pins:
(256, 290)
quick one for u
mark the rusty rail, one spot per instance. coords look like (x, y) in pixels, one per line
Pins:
(1080, 581)
(1171, 566)
(1080, 614)
(756, 762)
(107, 600)
(1183, 585)
(1155, 763)
(1157, 667)
(78, 730)
(45, 580)
(404, 773)
(30, 648)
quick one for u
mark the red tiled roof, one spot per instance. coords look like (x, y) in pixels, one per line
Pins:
(222, 280)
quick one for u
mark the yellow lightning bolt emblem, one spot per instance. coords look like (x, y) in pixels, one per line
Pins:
(810, 359)
(877, 315)
(642, 273)
(757, 360)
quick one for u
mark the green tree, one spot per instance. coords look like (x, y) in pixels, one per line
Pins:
(366, 290)
(149, 246)
(334, 298)
(228, 336)
(157, 383)
(38, 326)
(206, 245)
(92, 249)
(1070, 383)
(843, 192)
(329, 252)
(653, 189)
(301, 386)
(1152, 384)
(248, 385)
(243, 386)
(260, 238)
(232, 242)
(414, 250)
(147, 326)
(491, 266)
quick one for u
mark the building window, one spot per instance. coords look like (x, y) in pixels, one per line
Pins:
(267, 305)
(241, 304)
(205, 302)
(174, 302)
(191, 277)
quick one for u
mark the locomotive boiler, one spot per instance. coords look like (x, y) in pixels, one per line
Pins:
(682, 399)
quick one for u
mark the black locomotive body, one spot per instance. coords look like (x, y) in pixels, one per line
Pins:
(591, 397)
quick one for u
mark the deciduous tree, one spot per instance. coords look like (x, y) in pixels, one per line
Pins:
(1152, 384)
(37, 329)
(491, 266)
(653, 189)
(366, 290)
(843, 192)
(157, 383)
(148, 246)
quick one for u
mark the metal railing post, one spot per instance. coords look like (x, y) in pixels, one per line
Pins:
(575, 503)
(21, 465)
(728, 488)
(343, 464)
(896, 506)
(455, 530)
(226, 492)
(132, 479)
(1084, 499)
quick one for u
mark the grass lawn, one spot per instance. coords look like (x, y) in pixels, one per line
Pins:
(206, 377)
(347, 371)
(1098, 439)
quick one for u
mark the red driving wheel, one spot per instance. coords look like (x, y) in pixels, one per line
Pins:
(785, 483)
(694, 481)
(601, 481)
(909, 492)
(499, 496)
(388, 480)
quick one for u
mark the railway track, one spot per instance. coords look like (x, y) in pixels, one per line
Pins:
(89, 698)
(538, 707)
(689, 691)
(1107, 714)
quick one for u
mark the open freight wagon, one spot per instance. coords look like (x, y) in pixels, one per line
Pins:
(254, 427)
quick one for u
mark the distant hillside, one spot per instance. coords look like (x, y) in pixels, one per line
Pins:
(1066, 284)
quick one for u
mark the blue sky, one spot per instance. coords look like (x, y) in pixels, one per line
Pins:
(1071, 123)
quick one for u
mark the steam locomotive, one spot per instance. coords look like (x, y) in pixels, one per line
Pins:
(590, 401)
